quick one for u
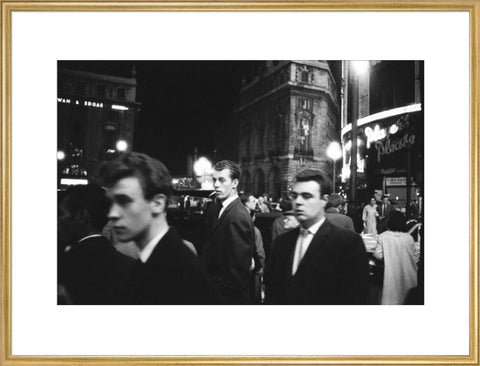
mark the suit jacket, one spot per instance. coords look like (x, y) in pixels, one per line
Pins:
(333, 271)
(93, 272)
(228, 253)
(387, 209)
(339, 219)
(172, 275)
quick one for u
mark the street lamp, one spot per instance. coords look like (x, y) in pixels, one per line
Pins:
(203, 169)
(122, 145)
(334, 152)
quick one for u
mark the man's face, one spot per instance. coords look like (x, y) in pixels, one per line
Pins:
(130, 212)
(225, 186)
(385, 200)
(308, 206)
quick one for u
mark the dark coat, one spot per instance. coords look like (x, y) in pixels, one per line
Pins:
(172, 275)
(228, 252)
(333, 271)
(339, 219)
(93, 272)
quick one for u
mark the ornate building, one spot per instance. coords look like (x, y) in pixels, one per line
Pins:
(288, 114)
(95, 112)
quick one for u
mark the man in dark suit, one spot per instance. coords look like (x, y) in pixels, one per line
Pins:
(383, 210)
(228, 252)
(318, 263)
(167, 272)
(91, 270)
(333, 213)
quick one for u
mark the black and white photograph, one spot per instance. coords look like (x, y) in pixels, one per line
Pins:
(290, 182)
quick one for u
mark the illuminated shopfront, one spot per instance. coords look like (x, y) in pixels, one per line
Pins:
(390, 154)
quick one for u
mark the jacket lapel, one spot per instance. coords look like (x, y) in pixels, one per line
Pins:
(317, 243)
(228, 208)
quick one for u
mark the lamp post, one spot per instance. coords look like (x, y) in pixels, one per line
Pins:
(203, 168)
(334, 152)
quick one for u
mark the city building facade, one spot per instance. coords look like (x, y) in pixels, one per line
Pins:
(96, 118)
(289, 112)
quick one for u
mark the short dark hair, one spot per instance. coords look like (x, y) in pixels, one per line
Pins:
(286, 204)
(396, 221)
(334, 200)
(153, 175)
(92, 199)
(230, 165)
(315, 175)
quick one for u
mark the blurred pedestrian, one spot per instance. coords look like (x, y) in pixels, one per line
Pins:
(369, 217)
(92, 271)
(318, 263)
(397, 250)
(230, 244)
(261, 205)
(383, 209)
(167, 272)
(286, 222)
(267, 201)
(333, 214)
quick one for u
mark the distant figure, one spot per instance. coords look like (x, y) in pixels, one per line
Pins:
(267, 200)
(397, 249)
(229, 248)
(286, 222)
(333, 213)
(318, 263)
(251, 204)
(261, 205)
(369, 217)
(383, 210)
(92, 271)
(167, 272)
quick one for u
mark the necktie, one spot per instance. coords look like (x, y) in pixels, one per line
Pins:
(383, 209)
(299, 250)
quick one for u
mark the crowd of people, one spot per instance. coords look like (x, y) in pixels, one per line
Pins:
(316, 256)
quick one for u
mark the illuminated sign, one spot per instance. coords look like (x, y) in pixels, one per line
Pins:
(119, 107)
(87, 103)
(395, 181)
(389, 146)
(73, 182)
(382, 115)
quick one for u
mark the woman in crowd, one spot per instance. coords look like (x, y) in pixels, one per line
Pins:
(397, 249)
(369, 217)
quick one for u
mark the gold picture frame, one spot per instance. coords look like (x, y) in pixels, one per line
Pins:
(8, 7)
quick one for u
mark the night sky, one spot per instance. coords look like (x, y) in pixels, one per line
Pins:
(183, 103)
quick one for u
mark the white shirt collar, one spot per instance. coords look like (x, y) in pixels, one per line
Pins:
(226, 203)
(147, 251)
(314, 228)
(88, 237)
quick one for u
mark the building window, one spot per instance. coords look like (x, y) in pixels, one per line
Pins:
(121, 93)
(304, 103)
(304, 74)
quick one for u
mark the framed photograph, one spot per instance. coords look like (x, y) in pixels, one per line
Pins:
(84, 81)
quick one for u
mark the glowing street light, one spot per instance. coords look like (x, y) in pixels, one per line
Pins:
(203, 168)
(60, 155)
(360, 67)
(334, 152)
(122, 145)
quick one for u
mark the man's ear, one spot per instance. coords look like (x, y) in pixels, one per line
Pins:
(235, 183)
(159, 203)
